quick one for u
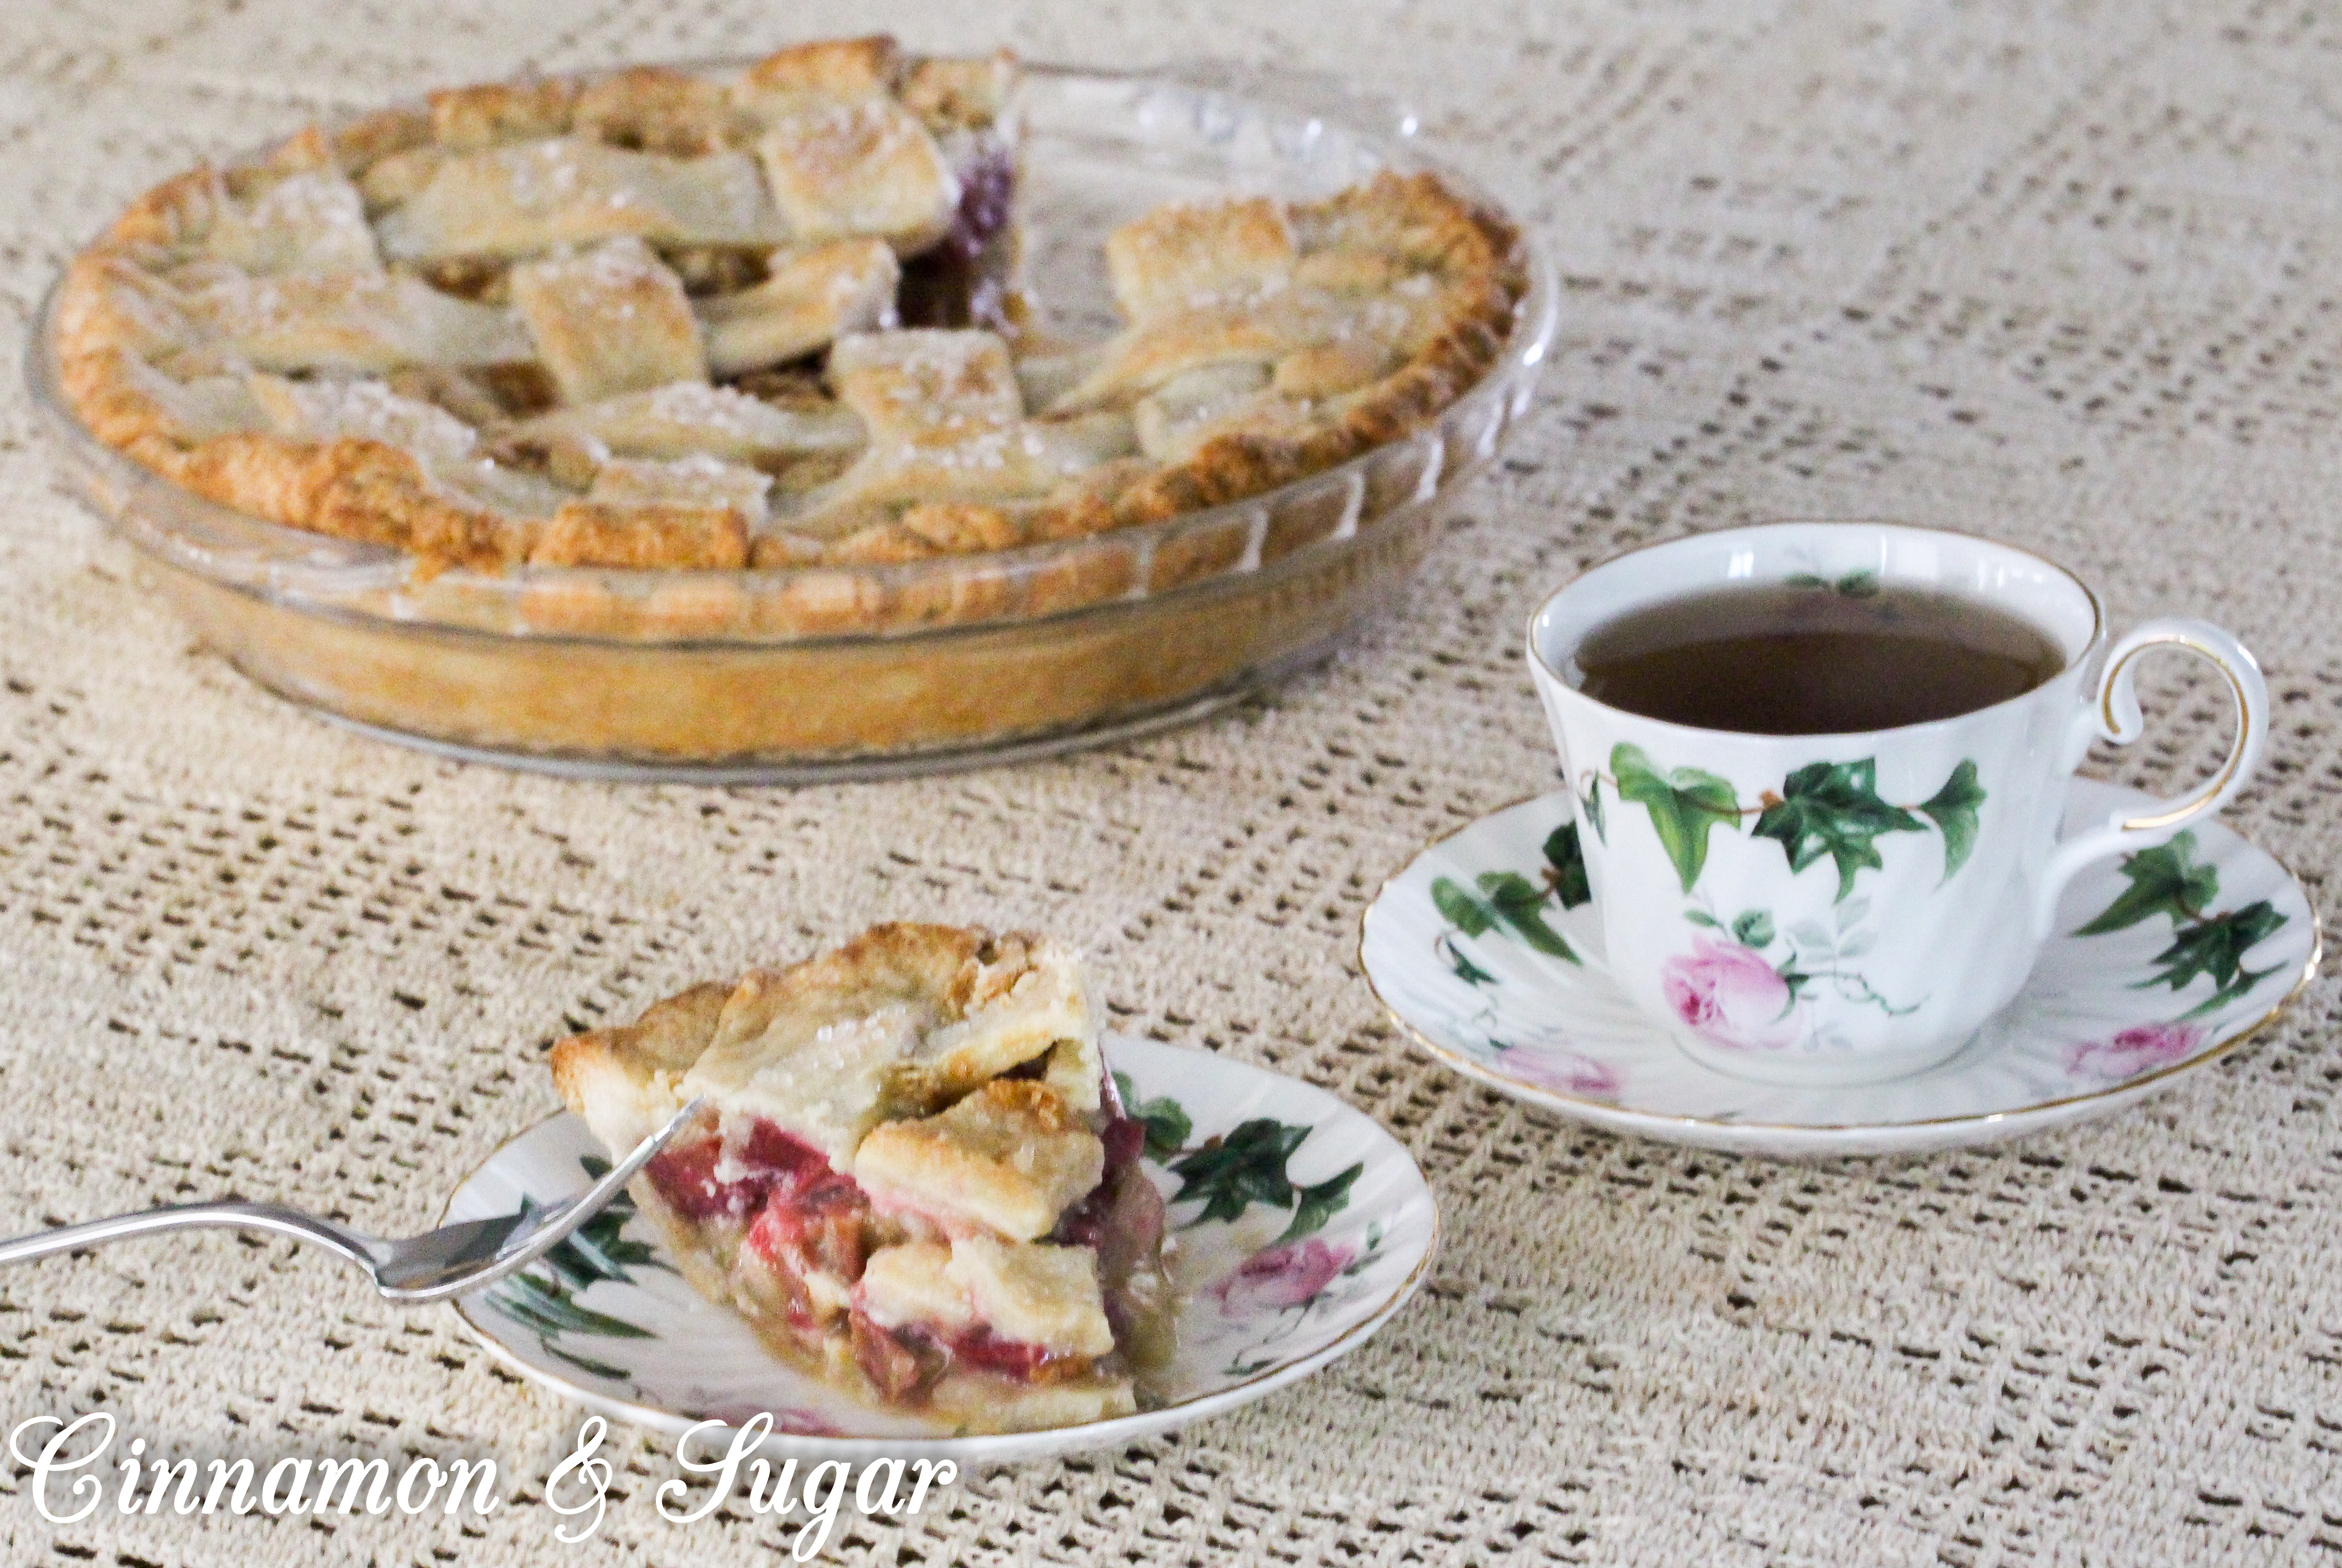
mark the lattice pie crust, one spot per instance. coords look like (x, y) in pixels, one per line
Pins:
(661, 320)
(918, 1181)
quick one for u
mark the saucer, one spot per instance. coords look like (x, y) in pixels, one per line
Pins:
(1270, 1288)
(1488, 953)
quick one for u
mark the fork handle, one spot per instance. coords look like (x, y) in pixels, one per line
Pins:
(273, 1217)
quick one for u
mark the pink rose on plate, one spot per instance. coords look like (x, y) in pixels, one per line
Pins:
(1279, 1277)
(1563, 1071)
(2132, 1051)
(1730, 996)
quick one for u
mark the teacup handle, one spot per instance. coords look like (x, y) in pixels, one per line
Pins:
(2116, 716)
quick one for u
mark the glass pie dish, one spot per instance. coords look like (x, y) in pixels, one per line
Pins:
(802, 673)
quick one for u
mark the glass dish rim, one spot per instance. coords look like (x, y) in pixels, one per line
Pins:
(156, 514)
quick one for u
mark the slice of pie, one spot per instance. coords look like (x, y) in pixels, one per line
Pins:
(918, 1181)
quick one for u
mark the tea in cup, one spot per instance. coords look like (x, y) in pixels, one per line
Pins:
(1820, 773)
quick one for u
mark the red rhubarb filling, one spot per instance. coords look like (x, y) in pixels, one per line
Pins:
(1122, 1220)
(699, 1182)
(801, 1219)
(907, 1361)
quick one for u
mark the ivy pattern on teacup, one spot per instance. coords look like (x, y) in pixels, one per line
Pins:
(1744, 988)
(2169, 881)
(1830, 809)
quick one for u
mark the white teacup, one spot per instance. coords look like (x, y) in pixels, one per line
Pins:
(1837, 969)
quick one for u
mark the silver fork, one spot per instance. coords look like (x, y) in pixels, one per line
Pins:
(452, 1260)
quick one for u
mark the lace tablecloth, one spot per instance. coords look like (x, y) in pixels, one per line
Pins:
(2062, 274)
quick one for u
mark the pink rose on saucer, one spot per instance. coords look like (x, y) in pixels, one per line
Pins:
(1563, 1071)
(2133, 1051)
(1280, 1277)
(1730, 996)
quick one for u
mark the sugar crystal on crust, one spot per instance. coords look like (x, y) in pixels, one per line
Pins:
(611, 320)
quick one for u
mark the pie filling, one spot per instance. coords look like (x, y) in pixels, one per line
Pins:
(794, 1235)
(918, 1181)
(964, 281)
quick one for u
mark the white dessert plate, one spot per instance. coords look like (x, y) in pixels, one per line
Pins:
(1487, 951)
(1298, 1227)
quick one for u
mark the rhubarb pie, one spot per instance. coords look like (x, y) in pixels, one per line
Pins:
(765, 317)
(916, 1180)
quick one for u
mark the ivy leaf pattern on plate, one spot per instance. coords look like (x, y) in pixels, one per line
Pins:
(2216, 946)
(1463, 968)
(2170, 881)
(1518, 903)
(1318, 1205)
(1565, 856)
(1512, 902)
(1167, 1124)
(1297, 1271)
(543, 1297)
(1461, 909)
(1229, 1174)
(2164, 880)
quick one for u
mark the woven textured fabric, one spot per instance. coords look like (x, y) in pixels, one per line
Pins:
(2064, 274)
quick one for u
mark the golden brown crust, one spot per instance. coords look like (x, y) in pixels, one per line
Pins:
(940, 961)
(941, 1229)
(162, 218)
(960, 95)
(305, 150)
(842, 68)
(667, 1038)
(803, 304)
(1010, 1157)
(610, 321)
(351, 488)
(136, 296)
(654, 109)
(1162, 261)
(929, 530)
(989, 1002)
(644, 538)
(370, 138)
(467, 119)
